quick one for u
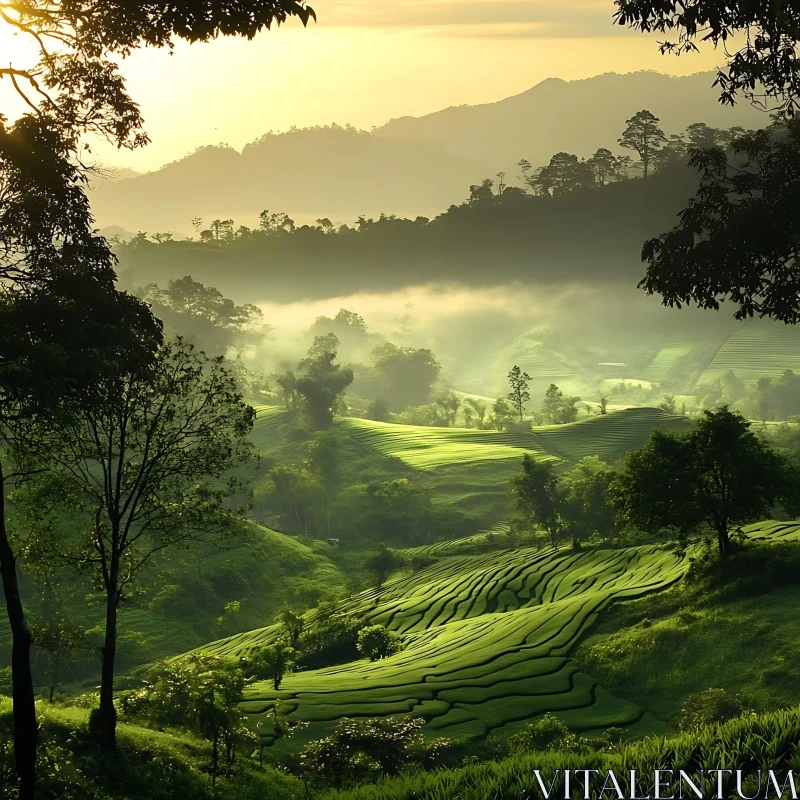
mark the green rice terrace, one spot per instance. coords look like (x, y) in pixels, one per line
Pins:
(487, 644)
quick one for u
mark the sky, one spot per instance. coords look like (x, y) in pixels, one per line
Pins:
(366, 61)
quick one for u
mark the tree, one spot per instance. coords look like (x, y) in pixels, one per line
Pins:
(519, 394)
(51, 260)
(604, 166)
(449, 402)
(294, 623)
(737, 240)
(767, 31)
(322, 380)
(377, 641)
(481, 193)
(406, 374)
(719, 474)
(586, 507)
(643, 135)
(503, 413)
(563, 174)
(147, 469)
(382, 563)
(479, 407)
(538, 497)
(272, 662)
(58, 636)
(559, 408)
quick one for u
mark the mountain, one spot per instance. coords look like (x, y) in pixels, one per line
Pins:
(411, 166)
(576, 116)
(333, 172)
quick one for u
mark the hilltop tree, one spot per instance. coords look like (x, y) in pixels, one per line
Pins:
(558, 408)
(146, 469)
(321, 380)
(563, 174)
(604, 166)
(738, 238)
(519, 394)
(538, 497)
(768, 32)
(719, 474)
(479, 407)
(643, 135)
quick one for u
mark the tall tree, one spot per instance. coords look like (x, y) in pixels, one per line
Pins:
(719, 474)
(322, 380)
(149, 469)
(643, 135)
(518, 382)
(563, 174)
(604, 166)
(46, 228)
(768, 32)
(406, 374)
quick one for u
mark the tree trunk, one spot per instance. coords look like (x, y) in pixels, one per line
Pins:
(108, 713)
(25, 726)
(724, 540)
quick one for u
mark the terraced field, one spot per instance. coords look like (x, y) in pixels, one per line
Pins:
(451, 547)
(426, 448)
(609, 437)
(487, 643)
(756, 350)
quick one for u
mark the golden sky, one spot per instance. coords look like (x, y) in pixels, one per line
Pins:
(366, 61)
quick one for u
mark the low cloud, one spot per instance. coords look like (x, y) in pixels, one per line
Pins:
(535, 19)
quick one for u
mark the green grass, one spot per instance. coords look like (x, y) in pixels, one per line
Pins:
(426, 448)
(452, 547)
(756, 350)
(768, 741)
(733, 625)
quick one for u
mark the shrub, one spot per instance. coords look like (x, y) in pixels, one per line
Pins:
(376, 641)
(707, 708)
(361, 750)
(270, 663)
(330, 639)
(544, 733)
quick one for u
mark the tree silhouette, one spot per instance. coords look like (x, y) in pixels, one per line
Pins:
(738, 238)
(519, 394)
(769, 33)
(643, 135)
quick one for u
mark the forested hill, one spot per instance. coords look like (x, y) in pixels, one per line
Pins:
(576, 116)
(410, 166)
(590, 233)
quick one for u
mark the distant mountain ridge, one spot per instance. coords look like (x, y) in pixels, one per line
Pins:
(412, 165)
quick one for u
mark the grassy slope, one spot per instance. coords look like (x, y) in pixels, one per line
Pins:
(733, 625)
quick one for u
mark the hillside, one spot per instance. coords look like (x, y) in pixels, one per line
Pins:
(336, 172)
(488, 641)
(410, 166)
(577, 116)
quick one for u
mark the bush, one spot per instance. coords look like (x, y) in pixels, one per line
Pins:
(362, 750)
(270, 663)
(707, 708)
(544, 733)
(376, 641)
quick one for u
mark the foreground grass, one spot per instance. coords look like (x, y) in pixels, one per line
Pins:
(768, 741)
(730, 624)
(147, 765)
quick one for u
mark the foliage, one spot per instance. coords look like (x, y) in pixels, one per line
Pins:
(719, 474)
(586, 508)
(294, 623)
(271, 662)
(405, 375)
(401, 510)
(362, 750)
(519, 394)
(546, 732)
(377, 641)
(737, 238)
(557, 408)
(147, 469)
(643, 135)
(767, 35)
(382, 563)
(321, 381)
(538, 497)
(201, 693)
(709, 707)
